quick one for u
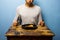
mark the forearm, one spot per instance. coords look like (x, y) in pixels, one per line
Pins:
(39, 18)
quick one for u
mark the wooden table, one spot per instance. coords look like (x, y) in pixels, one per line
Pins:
(17, 33)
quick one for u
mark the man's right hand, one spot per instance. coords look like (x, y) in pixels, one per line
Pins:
(14, 23)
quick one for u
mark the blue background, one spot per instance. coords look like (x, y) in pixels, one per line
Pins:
(50, 12)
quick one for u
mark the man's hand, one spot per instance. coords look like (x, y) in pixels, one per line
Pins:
(14, 23)
(41, 23)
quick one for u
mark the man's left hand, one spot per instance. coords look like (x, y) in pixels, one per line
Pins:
(41, 23)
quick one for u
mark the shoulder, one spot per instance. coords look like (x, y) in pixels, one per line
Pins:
(20, 6)
(38, 7)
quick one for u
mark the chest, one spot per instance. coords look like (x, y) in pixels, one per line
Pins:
(28, 12)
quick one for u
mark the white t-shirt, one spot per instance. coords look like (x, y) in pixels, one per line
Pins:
(29, 15)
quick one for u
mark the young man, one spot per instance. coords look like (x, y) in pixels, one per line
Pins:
(29, 13)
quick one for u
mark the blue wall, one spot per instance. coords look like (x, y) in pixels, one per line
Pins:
(50, 12)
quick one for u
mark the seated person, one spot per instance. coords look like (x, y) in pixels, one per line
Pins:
(28, 14)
